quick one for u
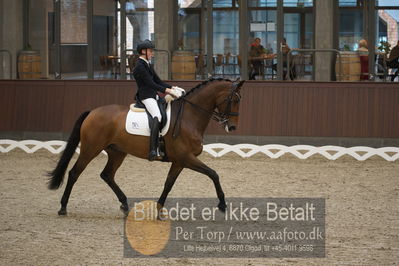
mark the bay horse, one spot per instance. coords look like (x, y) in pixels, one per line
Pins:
(104, 129)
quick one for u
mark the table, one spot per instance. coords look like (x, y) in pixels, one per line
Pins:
(263, 63)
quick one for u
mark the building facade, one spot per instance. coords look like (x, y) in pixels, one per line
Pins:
(86, 39)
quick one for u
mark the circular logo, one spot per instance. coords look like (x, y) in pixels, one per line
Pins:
(146, 233)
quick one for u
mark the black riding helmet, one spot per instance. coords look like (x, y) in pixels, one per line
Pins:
(147, 44)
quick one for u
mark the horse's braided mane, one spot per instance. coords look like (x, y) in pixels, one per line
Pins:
(204, 83)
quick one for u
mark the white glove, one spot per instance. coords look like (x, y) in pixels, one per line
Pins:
(177, 92)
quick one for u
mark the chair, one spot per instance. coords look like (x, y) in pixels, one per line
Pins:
(381, 64)
(239, 64)
(112, 62)
(385, 69)
(269, 69)
(229, 65)
(218, 63)
(300, 65)
(391, 66)
(104, 66)
(256, 68)
(200, 65)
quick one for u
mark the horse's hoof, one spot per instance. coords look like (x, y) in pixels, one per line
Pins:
(62, 212)
(222, 207)
(162, 217)
(125, 208)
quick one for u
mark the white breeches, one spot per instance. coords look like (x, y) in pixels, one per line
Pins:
(152, 107)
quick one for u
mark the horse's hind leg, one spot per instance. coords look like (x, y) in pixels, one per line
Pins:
(115, 159)
(74, 173)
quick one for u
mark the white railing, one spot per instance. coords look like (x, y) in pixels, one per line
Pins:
(273, 151)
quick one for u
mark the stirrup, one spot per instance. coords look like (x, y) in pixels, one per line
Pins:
(154, 156)
(161, 153)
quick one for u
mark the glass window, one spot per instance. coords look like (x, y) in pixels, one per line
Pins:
(262, 3)
(189, 37)
(298, 3)
(350, 29)
(105, 57)
(189, 4)
(298, 32)
(139, 27)
(226, 43)
(73, 39)
(292, 29)
(287, 3)
(309, 26)
(188, 26)
(262, 43)
(189, 30)
(225, 32)
(139, 22)
(350, 3)
(387, 30)
(137, 4)
(223, 3)
(387, 3)
(263, 26)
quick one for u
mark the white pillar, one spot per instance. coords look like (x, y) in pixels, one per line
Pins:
(324, 30)
(164, 19)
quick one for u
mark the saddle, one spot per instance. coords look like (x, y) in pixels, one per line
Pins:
(138, 106)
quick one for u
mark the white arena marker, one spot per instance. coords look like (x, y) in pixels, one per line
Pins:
(273, 151)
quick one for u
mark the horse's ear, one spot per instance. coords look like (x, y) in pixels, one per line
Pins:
(239, 85)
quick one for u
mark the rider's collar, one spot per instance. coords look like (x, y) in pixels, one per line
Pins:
(145, 60)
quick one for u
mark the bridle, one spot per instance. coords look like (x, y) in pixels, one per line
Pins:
(222, 117)
(234, 97)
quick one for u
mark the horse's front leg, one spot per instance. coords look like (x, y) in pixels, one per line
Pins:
(195, 164)
(174, 172)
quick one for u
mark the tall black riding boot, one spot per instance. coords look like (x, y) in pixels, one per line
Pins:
(154, 140)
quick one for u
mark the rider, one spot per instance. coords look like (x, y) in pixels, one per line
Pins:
(149, 84)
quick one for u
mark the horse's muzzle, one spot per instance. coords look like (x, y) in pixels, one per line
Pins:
(229, 128)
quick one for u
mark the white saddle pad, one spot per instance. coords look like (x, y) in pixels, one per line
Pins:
(137, 122)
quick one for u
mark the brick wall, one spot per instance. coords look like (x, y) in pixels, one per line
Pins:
(392, 27)
(104, 8)
(73, 21)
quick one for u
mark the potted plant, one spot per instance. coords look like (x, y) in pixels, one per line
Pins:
(384, 47)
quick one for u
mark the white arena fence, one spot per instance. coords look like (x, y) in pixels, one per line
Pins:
(216, 150)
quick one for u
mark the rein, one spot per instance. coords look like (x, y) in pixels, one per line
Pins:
(217, 116)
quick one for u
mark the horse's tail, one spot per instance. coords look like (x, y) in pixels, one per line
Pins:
(57, 175)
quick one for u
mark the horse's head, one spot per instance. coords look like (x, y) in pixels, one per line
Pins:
(228, 104)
